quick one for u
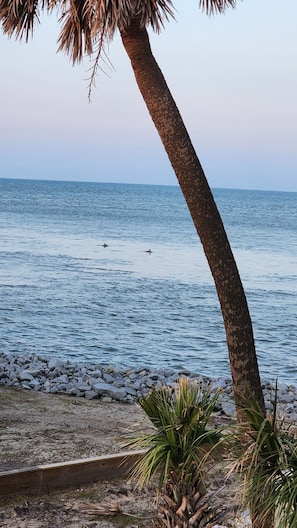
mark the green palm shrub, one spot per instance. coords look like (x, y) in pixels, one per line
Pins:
(178, 450)
(268, 463)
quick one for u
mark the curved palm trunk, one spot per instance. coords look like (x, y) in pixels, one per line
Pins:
(205, 215)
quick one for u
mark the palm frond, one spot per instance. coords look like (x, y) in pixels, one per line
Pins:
(86, 23)
(213, 6)
(77, 21)
(109, 507)
(182, 436)
(269, 466)
(19, 17)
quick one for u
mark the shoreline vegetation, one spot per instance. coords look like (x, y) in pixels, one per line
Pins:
(53, 411)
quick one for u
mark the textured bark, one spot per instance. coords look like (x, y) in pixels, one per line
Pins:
(184, 505)
(204, 212)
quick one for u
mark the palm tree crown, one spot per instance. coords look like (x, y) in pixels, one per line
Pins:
(87, 24)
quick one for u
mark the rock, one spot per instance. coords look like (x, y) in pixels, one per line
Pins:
(102, 388)
(35, 371)
(47, 386)
(83, 387)
(130, 390)
(108, 378)
(118, 394)
(97, 373)
(112, 384)
(54, 363)
(228, 408)
(25, 376)
(26, 385)
(106, 399)
(62, 379)
(91, 395)
(288, 398)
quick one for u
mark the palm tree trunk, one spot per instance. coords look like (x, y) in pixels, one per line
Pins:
(204, 212)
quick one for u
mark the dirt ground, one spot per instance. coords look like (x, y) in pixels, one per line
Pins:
(39, 428)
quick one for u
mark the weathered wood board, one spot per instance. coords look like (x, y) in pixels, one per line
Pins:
(44, 478)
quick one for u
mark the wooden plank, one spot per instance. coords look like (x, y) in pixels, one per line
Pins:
(47, 477)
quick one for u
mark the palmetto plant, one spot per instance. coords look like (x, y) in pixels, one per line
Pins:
(178, 451)
(268, 463)
(86, 26)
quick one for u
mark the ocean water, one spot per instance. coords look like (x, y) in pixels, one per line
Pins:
(64, 294)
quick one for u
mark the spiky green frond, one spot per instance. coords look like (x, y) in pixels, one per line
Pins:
(269, 467)
(182, 435)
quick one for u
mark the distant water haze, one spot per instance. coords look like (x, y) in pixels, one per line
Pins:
(115, 274)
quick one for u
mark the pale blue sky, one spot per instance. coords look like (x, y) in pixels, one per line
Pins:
(234, 78)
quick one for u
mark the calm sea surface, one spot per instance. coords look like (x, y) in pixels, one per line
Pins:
(64, 294)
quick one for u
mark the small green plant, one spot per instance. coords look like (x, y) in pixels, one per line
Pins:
(268, 463)
(178, 450)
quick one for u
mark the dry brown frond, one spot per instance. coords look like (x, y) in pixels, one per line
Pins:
(213, 6)
(84, 23)
(19, 17)
(107, 508)
(89, 22)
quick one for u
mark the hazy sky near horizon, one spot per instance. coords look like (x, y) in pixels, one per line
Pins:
(234, 79)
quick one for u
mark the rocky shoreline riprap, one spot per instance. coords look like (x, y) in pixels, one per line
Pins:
(109, 383)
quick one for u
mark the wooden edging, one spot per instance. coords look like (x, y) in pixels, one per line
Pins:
(38, 479)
